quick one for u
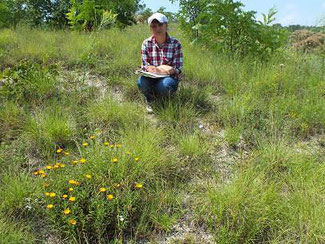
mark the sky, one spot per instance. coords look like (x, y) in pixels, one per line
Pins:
(303, 12)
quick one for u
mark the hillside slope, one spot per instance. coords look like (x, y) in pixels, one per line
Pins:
(237, 156)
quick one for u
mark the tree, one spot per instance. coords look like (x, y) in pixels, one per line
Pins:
(12, 12)
(143, 13)
(58, 17)
(4, 15)
(125, 10)
(84, 15)
(224, 26)
(81, 14)
(189, 13)
(170, 16)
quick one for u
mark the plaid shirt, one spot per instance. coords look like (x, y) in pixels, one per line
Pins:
(170, 53)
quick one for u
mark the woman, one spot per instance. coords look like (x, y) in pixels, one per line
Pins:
(161, 54)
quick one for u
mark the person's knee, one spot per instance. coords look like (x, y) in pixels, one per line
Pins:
(169, 85)
(143, 84)
(140, 82)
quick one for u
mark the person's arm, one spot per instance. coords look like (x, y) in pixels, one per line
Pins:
(146, 66)
(145, 57)
(178, 59)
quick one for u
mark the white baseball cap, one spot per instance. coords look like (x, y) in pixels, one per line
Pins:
(158, 16)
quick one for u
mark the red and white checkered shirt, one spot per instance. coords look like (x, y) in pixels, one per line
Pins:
(170, 53)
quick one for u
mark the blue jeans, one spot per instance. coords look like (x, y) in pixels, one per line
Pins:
(151, 87)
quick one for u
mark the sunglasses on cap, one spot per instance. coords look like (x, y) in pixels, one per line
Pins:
(155, 24)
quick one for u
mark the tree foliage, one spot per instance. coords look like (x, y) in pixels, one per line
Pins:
(224, 26)
(170, 16)
(79, 14)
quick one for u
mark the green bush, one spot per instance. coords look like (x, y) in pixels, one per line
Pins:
(28, 81)
(224, 26)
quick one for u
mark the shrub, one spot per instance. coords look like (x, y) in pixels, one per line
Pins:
(225, 27)
(28, 81)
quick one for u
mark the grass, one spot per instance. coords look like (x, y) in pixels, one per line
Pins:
(109, 114)
(273, 199)
(13, 232)
(236, 154)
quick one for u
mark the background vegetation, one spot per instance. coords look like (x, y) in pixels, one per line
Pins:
(237, 156)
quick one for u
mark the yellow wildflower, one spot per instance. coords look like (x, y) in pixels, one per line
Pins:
(55, 166)
(138, 185)
(128, 153)
(88, 176)
(118, 145)
(47, 194)
(136, 159)
(106, 143)
(75, 162)
(41, 172)
(59, 150)
(102, 189)
(111, 146)
(72, 222)
(35, 173)
(116, 185)
(110, 197)
(71, 189)
(52, 194)
(50, 206)
(44, 175)
(72, 182)
(65, 196)
(72, 199)
(92, 137)
(62, 165)
(83, 160)
(85, 144)
(48, 167)
(66, 153)
(114, 160)
(67, 211)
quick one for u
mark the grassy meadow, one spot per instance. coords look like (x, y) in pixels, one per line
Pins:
(237, 156)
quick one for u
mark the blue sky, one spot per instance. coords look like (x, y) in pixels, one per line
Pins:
(303, 12)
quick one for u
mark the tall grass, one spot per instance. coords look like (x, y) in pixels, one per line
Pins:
(275, 198)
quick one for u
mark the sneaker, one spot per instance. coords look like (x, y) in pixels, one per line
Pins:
(149, 109)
